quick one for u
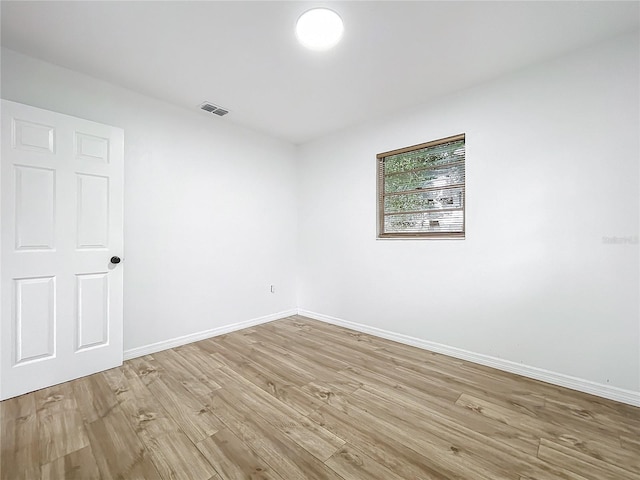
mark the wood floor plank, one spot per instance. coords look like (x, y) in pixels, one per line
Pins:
(605, 450)
(284, 343)
(352, 463)
(19, 442)
(94, 397)
(418, 402)
(298, 399)
(233, 459)
(404, 461)
(61, 427)
(436, 435)
(269, 380)
(590, 444)
(285, 367)
(548, 402)
(199, 359)
(190, 413)
(118, 451)
(485, 382)
(329, 393)
(300, 341)
(630, 444)
(240, 339)
(200, 364)
(284, 456)
(585, 465)
(367, 361)
(338, 334)
(575, 411)
(171, 451)
(316, 440)
(487, 451)
(310, 365)
(567, 475)
(200, 385)
(78, 465)
(451, 377)
(451, 448)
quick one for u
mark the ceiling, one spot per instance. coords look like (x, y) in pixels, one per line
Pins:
(244, 55)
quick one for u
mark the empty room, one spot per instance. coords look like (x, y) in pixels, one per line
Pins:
(359, 240)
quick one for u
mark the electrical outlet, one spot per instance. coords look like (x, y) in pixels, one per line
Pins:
(273, 289)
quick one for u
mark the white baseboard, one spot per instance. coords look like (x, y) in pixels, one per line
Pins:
(606, 391)
(194, 337)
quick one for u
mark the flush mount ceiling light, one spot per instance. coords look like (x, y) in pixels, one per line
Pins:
(319, 28)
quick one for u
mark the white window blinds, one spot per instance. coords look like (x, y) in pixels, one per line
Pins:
(421, 190)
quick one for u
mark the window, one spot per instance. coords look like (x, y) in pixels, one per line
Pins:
(421, 190)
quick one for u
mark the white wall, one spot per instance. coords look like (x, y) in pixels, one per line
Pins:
(552, 168)
(210, 209)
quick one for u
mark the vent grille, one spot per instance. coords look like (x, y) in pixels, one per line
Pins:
(211, 108)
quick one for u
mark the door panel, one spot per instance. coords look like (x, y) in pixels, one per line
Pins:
(92, 309)
(61, 196)
(32, 136)
(35, 207)
(93, 211)
(91, 148)
(34, 318)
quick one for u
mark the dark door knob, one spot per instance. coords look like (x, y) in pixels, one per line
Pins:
(115, 260)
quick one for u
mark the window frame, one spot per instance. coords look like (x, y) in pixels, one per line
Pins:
(380, 194)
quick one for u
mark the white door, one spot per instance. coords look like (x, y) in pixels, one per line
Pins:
(61, 203)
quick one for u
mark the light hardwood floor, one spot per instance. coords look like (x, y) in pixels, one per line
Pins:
(299, 399)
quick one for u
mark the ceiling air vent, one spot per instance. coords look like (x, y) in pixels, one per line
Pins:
(211, 108)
